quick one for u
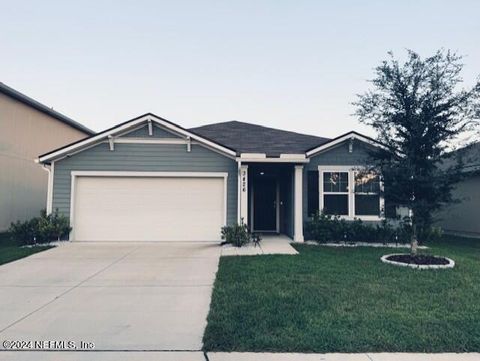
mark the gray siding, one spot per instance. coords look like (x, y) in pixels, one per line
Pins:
(143, 133)
(463, 217)
(144, 158)
(335, 156)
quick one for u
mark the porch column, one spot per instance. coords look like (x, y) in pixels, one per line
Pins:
(298, 201)
(243, 194)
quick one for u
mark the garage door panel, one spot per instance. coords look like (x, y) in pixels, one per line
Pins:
(148, 209)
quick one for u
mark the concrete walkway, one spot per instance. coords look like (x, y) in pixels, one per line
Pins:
(270, 244)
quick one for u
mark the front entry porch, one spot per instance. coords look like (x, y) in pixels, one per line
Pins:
(271, 198)
(270, 244)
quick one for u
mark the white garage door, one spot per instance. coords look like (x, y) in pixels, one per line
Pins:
(148, 209)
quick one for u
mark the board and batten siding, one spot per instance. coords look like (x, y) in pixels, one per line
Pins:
(338, 156)
(144, 158)
(157, 132)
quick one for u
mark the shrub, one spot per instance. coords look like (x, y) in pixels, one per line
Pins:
(24, 232)
(45, 228)
(321, 228)
(326, 228)
(237, 235)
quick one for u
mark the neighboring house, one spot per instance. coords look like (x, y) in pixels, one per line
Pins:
(463, 216)
(151, 180)
(28, 128)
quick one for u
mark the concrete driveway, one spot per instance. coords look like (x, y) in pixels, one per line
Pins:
(120, 296)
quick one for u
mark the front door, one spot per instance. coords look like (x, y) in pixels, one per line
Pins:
(264, 205)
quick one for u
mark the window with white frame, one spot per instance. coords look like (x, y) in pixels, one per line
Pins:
(335, 193)
(367, 193)
(350, 192)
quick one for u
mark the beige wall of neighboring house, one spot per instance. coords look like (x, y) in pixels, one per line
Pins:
(26, 132)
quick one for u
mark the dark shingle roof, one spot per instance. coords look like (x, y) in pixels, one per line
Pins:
(5, 89)
(252, 138)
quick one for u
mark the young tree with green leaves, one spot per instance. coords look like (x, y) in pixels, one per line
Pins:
(418, 113)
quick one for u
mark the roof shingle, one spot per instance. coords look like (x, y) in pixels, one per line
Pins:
(252, 138)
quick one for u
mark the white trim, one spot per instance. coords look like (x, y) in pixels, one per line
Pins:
(253, 155)
(239, 187)
(50, 170)
(298, 202)
(126, 126)
(350, 169)
(72, 206)
(293, 156)
(111, 142)
(243, 200)
(151, 141)
(88, 173)
(348, 136)
(273, 160)
(76, 174)
(150, 127)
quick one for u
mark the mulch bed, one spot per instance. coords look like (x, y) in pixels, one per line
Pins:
(418, 259)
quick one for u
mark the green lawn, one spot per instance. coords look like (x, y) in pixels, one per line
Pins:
(11, 251)
(346, 300)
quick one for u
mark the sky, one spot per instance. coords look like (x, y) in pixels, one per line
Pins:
(294, 65)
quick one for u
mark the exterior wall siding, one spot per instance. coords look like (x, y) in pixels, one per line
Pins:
(144, 158)
(338, 155)
(24, 134)
(462, 217)
(143, 133)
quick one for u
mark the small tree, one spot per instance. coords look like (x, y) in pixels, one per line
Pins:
(418, 112)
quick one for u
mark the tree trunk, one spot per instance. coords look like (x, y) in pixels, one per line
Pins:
(414, 240)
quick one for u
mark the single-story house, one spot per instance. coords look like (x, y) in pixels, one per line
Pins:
(28, 128)
(462, 217)
(149, 179)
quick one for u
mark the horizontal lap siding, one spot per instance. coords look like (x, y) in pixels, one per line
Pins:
(338, 156)
(144, 158)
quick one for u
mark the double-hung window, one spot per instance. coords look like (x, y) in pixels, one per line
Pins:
(350, 192)
(335, 192)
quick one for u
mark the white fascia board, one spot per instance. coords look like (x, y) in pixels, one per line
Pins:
(273, 160)
(342, 139)
(119, 129)
(293, 156)
(253, 155)
(151, 141)
(88, 173)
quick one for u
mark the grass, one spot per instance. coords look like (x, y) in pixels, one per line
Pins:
(346, 300)
(11, 251)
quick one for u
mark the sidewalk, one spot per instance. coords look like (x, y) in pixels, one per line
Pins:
(250, 356)
(226, 356)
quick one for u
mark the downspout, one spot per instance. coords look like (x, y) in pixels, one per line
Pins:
(50, 171)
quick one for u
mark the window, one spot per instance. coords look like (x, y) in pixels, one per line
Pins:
(335, 193)
(367, 194)
(312, 191)
(350, 192)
